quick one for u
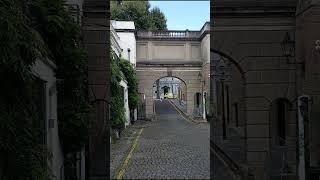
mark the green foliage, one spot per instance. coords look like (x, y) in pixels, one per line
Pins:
(130, 74)
(158, 19)
(21, 151)
(30, 31)
(20, 43)
(139, 12)
(62, 36)
(117, 105)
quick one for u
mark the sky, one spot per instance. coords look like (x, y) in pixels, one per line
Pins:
(182, 15)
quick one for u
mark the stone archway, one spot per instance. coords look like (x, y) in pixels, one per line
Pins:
(148, 75)
(176, 86)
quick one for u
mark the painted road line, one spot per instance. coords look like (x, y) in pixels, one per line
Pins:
(180, 112)
(125, 164)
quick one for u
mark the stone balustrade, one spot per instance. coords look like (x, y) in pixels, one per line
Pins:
(168, 34)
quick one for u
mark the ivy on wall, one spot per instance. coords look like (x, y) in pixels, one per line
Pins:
(122, 69)
(62, 37)
(131, 77)
(117, 104)
(30, 31)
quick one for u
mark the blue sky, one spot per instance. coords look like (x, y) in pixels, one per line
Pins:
(182, 15)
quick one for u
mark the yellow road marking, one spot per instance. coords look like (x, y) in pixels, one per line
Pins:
(125, 164)
(180, 112)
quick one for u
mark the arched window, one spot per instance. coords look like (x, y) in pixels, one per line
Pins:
(236, 113)
(280, 110)
(198, 99)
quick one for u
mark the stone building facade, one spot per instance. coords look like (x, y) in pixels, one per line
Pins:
(257, 84)
(180, 54)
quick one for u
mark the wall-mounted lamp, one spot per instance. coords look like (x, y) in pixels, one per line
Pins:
(303, 107)
(317, 45)
(129, 50)
(199, 75)
(288, 46)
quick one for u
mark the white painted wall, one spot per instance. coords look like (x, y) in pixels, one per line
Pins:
(127, 39)
(45, 71)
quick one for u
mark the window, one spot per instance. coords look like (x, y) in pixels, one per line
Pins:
(228, 105)
(280, 120)
(129, 54)
(39, 96)
(198, 96)
(219, 98)
(236, 113)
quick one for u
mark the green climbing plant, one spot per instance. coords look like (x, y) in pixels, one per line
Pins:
(130, 75)
(31, 31)
(117, 105)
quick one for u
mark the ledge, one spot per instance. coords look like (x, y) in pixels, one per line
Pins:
(170, 63)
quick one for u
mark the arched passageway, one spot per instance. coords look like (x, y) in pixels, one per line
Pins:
(187, 77)
(170, 87)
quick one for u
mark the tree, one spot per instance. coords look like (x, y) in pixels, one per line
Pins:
(158, 19)
(139, 12)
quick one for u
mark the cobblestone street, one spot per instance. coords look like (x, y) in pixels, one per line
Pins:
(170, 148)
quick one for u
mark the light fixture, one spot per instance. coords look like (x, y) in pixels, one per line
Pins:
(304, 107)
(317, 46)
(287, 46)
(199, 75)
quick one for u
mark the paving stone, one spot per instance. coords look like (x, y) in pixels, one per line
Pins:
(169, 148)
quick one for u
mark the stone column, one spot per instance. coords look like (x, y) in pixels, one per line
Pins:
(307, 33)
(149, 104)
(96, 37)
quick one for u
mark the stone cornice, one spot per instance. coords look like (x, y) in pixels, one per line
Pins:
(167, 39)
(254, 3)
(279, 11)
(125, 30)
(169, 63)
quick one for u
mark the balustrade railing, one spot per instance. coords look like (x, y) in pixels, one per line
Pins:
(169, 34)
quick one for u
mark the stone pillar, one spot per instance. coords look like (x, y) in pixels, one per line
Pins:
(190, 101)
(307, 33)
(149, 104)
(96, 37)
